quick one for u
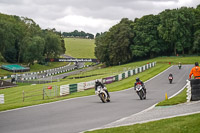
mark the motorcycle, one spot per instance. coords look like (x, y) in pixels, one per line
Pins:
(179, 66)
(102, 94)
(170, 79)
(140, 91)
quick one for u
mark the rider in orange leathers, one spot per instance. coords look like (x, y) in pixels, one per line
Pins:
(195, 71)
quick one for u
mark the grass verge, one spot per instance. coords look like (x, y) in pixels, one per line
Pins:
(180, 98)
(182, 124)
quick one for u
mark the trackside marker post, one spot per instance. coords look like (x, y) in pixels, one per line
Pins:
(166, 97)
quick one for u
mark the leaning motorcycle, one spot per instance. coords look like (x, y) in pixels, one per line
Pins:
(179, 66)
(140, 91)
(102, 94)
(170, 79)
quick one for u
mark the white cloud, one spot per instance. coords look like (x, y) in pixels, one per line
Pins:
(88, 15)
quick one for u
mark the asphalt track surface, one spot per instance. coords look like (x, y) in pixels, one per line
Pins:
(85, 113)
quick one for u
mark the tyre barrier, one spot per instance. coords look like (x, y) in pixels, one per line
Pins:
(193, 90)
(71, 88)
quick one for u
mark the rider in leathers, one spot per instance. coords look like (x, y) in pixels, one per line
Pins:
(138, 81)
(98, 83)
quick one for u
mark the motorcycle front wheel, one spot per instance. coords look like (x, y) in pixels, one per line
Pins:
(102, 97)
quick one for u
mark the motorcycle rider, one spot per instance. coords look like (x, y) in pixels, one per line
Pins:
(170, 75)
(98, 83)
(179, 65)
(195, 71)
(138, 81)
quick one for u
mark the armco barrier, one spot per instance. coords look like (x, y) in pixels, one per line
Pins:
(193, 89)
(70, 88)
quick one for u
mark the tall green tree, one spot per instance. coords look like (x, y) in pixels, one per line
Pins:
(176, 28)
(34, 50)
(101, 49)
(146, 42)
(196, 47)
(116, 44)
(53, 46)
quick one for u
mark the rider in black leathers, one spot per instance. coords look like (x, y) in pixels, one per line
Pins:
(98, 83)
(138, 81)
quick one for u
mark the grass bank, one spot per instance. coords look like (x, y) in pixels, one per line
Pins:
(180, 98)
(80, 48)
(183, 124)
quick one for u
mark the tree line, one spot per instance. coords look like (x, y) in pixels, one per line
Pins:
(23, 41)
(169, 33)
(78, 34)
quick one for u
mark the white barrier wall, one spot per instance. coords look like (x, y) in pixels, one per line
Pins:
(126, 74)
(90, 84)
(188, 91)
(1, 98)
(136, 70)
(81, 86)
(131, 71)
(64, 90)
(120, 77)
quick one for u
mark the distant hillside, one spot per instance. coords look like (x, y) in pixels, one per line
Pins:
(80, 48)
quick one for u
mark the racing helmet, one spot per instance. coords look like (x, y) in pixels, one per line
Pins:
(137, 79)
(96, 81)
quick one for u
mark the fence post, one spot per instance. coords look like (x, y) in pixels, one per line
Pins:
(23, 95)
(43, 94)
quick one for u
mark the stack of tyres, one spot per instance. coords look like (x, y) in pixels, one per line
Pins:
(195, 89)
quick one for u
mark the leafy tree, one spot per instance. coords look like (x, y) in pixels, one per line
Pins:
(176, 28)
(52, 45)
(34, 50)
(196, 47)
(146, 41)
(101, 49)
(117, 43)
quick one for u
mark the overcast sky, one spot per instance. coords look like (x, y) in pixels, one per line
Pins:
(91, 16)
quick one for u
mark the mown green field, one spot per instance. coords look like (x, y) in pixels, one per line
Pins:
(79, 48)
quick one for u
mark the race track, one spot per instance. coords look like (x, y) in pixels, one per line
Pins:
(80, 114)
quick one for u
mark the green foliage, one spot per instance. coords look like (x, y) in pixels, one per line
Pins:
(171, 32)
(117, 44)
(146, 43)
(23, 41)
